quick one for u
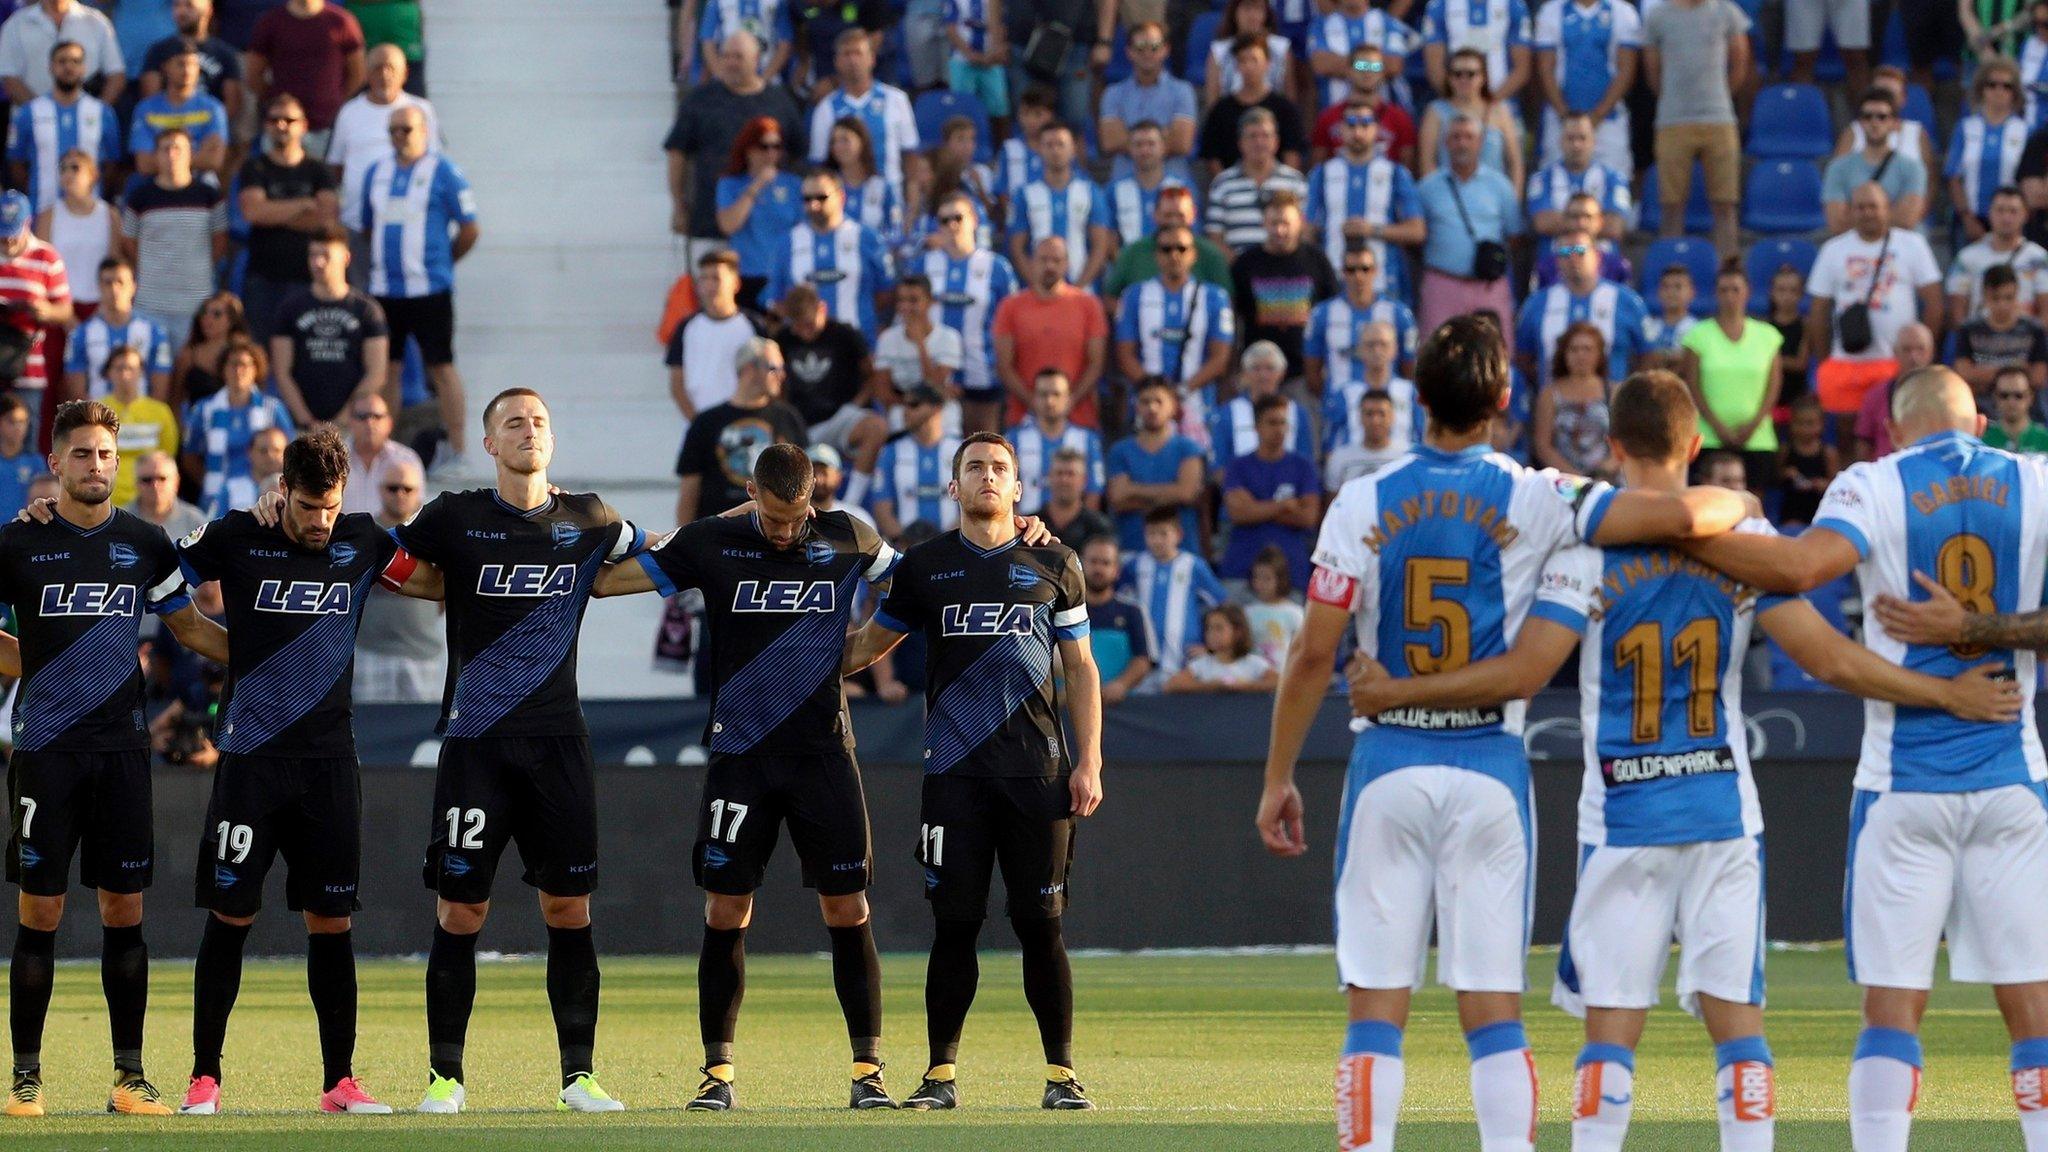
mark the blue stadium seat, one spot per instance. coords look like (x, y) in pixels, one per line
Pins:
(1696, 256)
(1763, 260)
(1699, 215)
(1790, 122)
(1920, 107)
(1119, 67)
(933, 108)
(894, 64)
(1783, 197)
(1194, 64)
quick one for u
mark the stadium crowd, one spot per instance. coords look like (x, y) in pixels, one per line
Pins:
(1182, 255)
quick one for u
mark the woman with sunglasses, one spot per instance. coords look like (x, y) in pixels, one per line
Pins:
(1472, 95)
(1984, 151)
(196, 373)
(758, 202)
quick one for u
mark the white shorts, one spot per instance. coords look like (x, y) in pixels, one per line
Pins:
(1435, 844)
(1633, 901)
(1849, 18)
(1610, 142)
(1968, 865)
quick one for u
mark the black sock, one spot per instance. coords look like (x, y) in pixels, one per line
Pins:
(451, 993)
(857, 977)
(124, 977)
(331, 983)
(29, 979)
(572, 993)
(950, 979)
(721, 984)
(1049, 986)
(216, 981)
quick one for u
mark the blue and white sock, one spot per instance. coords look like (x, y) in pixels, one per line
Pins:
(1884, 1084)
(2030, 1090)
(1746, 1091)
(1503, 1086)
(1370, 1078)
(1603, 1094)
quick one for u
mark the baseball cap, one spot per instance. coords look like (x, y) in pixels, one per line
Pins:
(15, 214)
(824, 454)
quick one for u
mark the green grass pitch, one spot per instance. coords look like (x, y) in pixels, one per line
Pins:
(1182, 1052)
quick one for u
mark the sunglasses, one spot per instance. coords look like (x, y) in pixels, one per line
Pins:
(1368, 66)
(1359, 269)
(769, 145)
(1174, 249)
(1147, 45)
(1570, 250)
(817, 197)
(1464, 73)
(951, 218)
(1360, 120)
(371, 415)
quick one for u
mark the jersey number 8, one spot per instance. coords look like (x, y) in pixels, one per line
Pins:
(1964, 567)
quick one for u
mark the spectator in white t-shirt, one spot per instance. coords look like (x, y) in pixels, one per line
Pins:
(915, 351)
(1889, 270)
(703, 355)
(1376, 449)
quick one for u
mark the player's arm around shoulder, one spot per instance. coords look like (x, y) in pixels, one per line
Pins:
(1638, 516)
(641, 571)
(893, 618)
(1787, 565)
(1834, 659)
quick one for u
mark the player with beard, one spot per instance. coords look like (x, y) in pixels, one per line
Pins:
(79, 780)
(999, 782)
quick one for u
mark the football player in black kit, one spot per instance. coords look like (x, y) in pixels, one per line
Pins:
(517, 563)
(288, 781)
(779, 589)
(999, 784)
(79, 780)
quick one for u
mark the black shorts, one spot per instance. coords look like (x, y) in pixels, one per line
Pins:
(427, 319)
(309, 809)
(540, 791)
(972, 822)
(93, 803)
(746, 798)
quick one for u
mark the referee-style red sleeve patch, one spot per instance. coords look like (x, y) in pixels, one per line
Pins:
(399, 570)
(1329, 586)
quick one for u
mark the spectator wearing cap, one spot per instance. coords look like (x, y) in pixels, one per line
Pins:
(718, 452)
(918, 350)
(28, 36)
(840, 257)
(1176, 329)
(1359, 199)
(1066, 508)
(114, 324)
(288, 197)
(362, 129)
(1586, 57)
(1984, 149)
(703, 354)
(1695, 57)
(883, 108)
(1138, 260)
(915, 466)
(313, 50)
(1134, 199)
(61, 121)
(968, 283)
(1065, 203)
(421, 218)
(1365, 75)
(1899, 172)
(1047, 433)
(181, 104)
(2004, 246)
(1237, 198)
(1151, 94)
(1464, 206)
(1275, 285)
(707, 126)
(220, 63)
(35, 294)
(1051, 325)
(1580, 296)
(828, 474)
(1889, 270)
(1223, 131)
(1233, 425)
(330, 346)
(373, 456)
(758, 202)
(401, 645)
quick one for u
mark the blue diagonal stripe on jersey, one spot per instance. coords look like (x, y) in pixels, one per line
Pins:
(780, 677)
(513, 666)
(280, 691)
(82, 677)
(976, 703)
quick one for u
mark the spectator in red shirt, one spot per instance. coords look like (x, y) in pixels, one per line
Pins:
(1053, 325)
(1368, 77)
(34, 295)
(313, 50)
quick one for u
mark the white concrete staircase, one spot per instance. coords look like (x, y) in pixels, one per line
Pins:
(556, 109)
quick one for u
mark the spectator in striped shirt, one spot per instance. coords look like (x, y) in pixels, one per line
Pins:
(882, 107)
(174, 229)
(35, 295)
(34, 29)
(220, 429)
(52, 125)
(114, 325)
(1236, 214)
(421, 217)
(1065, 203)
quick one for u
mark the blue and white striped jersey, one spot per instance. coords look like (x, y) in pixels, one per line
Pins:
(1378, 191)
(93, 341)
(1333, 331)
(1340, 413)
(407, 209)
(1174, 328)
(1492, 26)
(1039, 210)
(875, 204)
(1035, 451)
(1174, 595)
(1234, 431)
(1439, 556)
(1985, 158)
(846, 266)
(1976, 520)
(890, 123)
(768, 20)
(1340, 32)
(965, 293)
(44, 130)
(1551, 186)
(1587, 39)
(912, 477)
(1131, 205)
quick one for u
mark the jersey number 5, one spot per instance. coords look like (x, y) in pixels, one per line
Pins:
(1426, 611)
(1641, 648)
(1964, 567)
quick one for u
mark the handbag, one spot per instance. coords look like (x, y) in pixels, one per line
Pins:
(1852, 327)
(1489, 257)
(1047, 50)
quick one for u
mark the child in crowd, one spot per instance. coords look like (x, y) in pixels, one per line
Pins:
(1173, 586)
(1662, 332)
(1806, 463)
(1274, 615)
(1229, 662)
(1788, 295)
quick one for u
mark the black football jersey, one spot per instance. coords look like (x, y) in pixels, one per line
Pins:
(79, 595)
(292, 619)
(777, 620)
(991, 621)
(517, 584)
